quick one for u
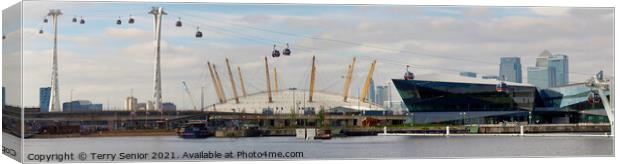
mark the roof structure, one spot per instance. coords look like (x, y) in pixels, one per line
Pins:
(291, 100)
(463, 79)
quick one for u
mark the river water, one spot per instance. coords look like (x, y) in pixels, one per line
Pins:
(364, 147)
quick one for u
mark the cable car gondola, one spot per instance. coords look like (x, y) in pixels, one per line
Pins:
(118, 21)
(594, 98)
(179, 24)
(44, 19)
(131, 20)
(198, 33)
(82, 21)
(408, 75)
(41, 31)
(501, 87)
(74, 20)
(286, 51)
(275, 52)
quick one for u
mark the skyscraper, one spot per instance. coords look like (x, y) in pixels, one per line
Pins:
(382, 94)
(131, 103)
(468, 74)
(559, 64)
(550, 70)
(371, 92)
(540, 77)
(44, 99)
(510, 69)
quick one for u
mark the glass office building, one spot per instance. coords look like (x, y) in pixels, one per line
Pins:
(559, 65)
(463, 100)
(470, 100)
(510, 69)
(44, 99)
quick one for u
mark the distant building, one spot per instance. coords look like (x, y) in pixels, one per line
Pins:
(510, 69)
(372, 96)
(131, 104)
(539, 77)
(150, 105)
(559, 63)
(550, 70)
(81, 106)
(44, 99)
(168, 106)
(382, 94)
(141, 106)
(490, 77)
(468, 74)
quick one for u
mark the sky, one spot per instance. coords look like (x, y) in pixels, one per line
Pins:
(102, 62)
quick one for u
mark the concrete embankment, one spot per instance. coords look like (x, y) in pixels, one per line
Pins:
(545, 128)
(116, 133)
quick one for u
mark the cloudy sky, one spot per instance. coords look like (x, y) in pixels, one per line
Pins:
(101, 61)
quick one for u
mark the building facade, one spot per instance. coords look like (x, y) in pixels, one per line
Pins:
(81, 106)
(44, 98)
(372, 96)
(510, 69)
(559, 64)
(468, 74)
(439, 98)
(541, 77)
(131, 104)
(382, 94)
(549, 71)
(462, 100)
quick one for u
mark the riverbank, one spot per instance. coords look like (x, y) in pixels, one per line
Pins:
(364, 131)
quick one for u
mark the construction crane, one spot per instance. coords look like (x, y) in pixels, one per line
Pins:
(191, 98)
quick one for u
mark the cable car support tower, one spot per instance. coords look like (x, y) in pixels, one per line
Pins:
(601, 84)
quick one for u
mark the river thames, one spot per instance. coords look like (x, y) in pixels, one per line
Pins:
(365, 147)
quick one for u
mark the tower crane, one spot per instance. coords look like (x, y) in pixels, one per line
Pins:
(191, 98)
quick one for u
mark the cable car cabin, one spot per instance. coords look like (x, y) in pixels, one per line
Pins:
(501, 87)
(118, 21)
(408, 75)
(275, 52)
(74, 20)
(594, 98)
(179, 24)
(286, 51)
(198, 34)
(131, 20)
(45, 20)
(40, 31)
(82, 20)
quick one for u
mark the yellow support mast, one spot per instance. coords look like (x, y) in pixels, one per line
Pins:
(275, 79)
(241, 80)
(232, 82)
(215, 86)
(219, 84)
(367, 83)
(312, 77)
(268, 81)
(347, 81)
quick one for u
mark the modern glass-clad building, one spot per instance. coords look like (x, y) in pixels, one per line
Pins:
(440, 98)
(44, 99)
(471, 100)
(510, 69)
(541, 77)
(559, 64)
